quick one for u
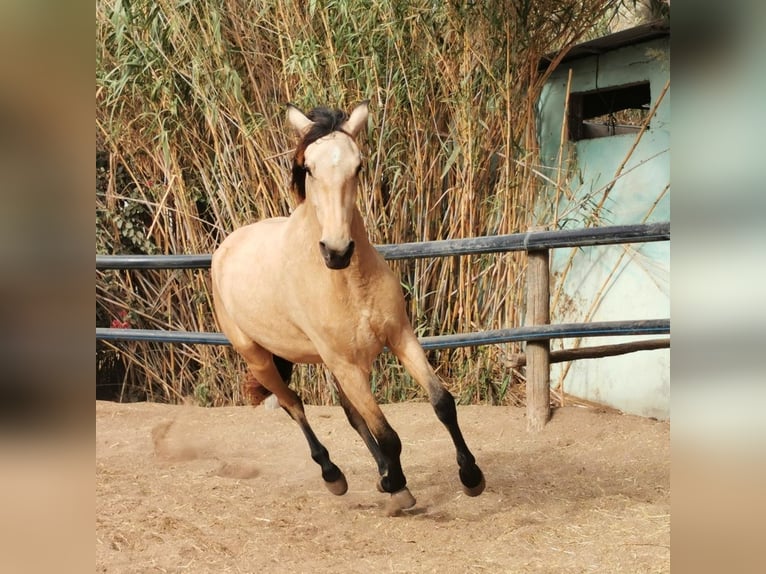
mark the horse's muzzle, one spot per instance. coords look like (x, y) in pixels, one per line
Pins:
(336, 258)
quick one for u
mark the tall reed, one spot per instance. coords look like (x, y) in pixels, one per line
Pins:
(191, 144)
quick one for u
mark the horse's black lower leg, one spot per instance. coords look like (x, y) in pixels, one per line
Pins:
(392, 478)
(357, 422)
(331, 474)
(319, 454)
(407, 347)
(384, 444)
(470, 474)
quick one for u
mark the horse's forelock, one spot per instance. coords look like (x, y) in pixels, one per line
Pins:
(325, 121)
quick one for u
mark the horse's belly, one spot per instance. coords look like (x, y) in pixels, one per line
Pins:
(263, 315)
(320, 342)
(287, 342)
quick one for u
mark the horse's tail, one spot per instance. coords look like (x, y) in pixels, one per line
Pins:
(255, 392)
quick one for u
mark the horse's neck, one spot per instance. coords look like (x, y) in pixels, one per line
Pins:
(359, 231)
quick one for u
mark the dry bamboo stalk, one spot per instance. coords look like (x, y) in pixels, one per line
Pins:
(562, 143)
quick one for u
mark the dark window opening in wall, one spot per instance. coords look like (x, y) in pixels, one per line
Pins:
(608, 111)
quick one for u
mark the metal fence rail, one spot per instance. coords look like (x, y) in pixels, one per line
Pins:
(530, 241)
(537, 355)
(492, 337)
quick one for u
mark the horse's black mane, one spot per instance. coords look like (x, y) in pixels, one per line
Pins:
(325, 121)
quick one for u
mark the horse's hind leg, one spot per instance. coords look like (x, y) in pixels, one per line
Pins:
(255, 392)
(284, 367)
(357, 422)
(410, 353)
(334, 479)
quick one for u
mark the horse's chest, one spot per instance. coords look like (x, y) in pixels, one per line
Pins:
(351, 330)
(367, 329)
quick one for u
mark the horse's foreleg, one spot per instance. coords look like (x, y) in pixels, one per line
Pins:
(273, 374)
(354, 384)
(411, 354)
(470, 473)
(269, 374)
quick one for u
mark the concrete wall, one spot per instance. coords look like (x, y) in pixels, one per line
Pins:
(619, 282)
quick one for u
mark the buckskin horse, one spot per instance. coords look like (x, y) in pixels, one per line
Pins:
(311, 288)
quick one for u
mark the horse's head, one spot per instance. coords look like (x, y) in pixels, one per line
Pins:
(326, 173)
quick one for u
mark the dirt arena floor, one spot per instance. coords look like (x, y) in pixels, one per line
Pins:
(188, 489)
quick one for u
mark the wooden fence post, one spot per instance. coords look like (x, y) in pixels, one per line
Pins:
(538, 352)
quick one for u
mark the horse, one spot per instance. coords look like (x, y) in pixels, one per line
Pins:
(311, 288)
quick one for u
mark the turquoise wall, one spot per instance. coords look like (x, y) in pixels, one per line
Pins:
(612, 282)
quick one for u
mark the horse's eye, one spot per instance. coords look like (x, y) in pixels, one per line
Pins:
(306, 169)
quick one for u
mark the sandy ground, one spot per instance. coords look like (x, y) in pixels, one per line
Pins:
(188, 489)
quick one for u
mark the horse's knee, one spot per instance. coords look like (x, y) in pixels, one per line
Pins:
(273, 374)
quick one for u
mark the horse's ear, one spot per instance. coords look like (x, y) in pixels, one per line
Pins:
(358, 118)
(298, 120)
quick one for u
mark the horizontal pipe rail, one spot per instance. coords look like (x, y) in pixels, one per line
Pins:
(531, 241)
(529, 333)
(518, 360)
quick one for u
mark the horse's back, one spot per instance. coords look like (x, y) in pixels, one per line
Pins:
(254, 240)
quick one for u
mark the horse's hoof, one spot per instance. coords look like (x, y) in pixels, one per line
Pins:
(338, 487)
(475, 490)
(379, 485)
(401, 500)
